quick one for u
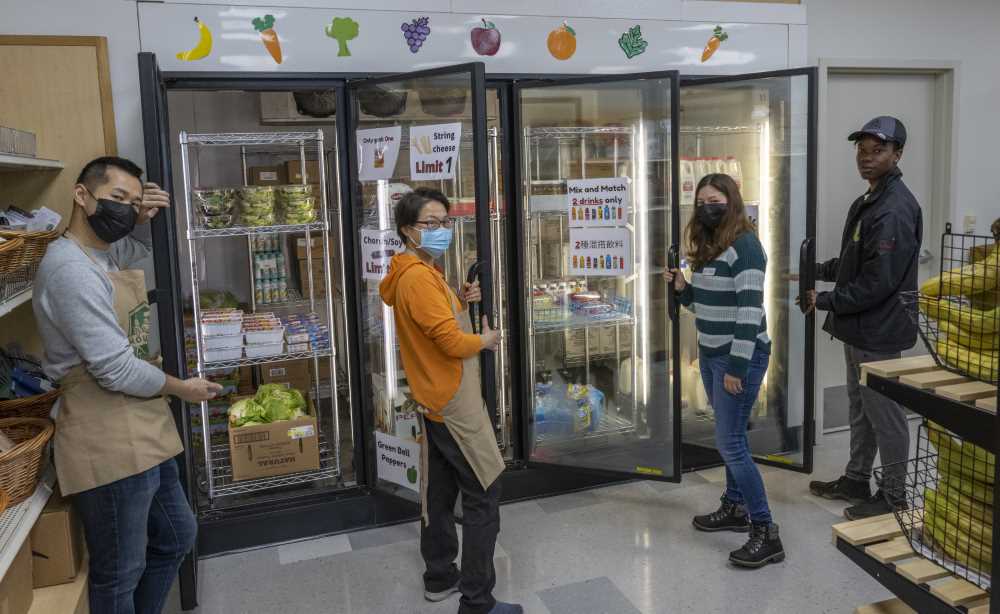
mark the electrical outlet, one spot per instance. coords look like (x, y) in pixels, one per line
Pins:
(969, 225)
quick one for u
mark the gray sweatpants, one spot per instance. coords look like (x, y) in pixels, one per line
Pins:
(877, 423)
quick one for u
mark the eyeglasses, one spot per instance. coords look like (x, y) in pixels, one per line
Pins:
(434, 224)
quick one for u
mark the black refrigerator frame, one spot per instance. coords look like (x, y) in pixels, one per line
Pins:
(363, 506)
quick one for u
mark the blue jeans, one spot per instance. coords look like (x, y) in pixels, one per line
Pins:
(732, 414)
(138, 531)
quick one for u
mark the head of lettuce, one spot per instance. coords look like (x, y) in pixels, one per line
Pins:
(272, 403)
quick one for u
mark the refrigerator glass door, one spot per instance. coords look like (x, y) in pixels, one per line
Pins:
(410, 131)
(759, 129)
(596, 206)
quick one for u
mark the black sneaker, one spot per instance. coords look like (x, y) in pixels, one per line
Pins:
(729, 517)
(844, 488)
(763, 547)
(877, 505)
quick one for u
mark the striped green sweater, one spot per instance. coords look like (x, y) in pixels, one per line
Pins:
(727, 298)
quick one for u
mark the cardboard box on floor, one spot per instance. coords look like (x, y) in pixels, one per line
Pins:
(279, 448)
(15, 588)
(56, 543)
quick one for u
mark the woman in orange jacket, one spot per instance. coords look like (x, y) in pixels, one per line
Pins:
(459, 452)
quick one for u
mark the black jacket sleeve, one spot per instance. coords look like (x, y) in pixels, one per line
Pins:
(827, 271)
(889, 250)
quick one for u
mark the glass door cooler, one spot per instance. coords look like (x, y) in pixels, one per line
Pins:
(761, 130)
(595, 159)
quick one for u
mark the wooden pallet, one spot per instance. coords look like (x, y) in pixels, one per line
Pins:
(883, 541)
(923, 373)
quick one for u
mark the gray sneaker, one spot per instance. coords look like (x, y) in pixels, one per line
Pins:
(440, 595)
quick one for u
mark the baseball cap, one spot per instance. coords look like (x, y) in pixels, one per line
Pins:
(884, 127)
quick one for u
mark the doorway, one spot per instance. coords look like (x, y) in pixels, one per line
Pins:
(852, 92)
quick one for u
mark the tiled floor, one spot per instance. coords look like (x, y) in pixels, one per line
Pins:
(619, 550)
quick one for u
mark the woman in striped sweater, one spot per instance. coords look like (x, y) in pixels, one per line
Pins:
(726, 295)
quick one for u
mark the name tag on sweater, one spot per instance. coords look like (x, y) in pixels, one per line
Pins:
(710, 271)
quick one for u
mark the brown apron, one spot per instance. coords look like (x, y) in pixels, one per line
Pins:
(468, 421)
(104, 436)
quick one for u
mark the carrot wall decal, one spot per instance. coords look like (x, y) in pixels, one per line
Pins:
(265, 25)
(718, 35)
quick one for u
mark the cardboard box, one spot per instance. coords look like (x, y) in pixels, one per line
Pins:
(15, 588)
(268, 175)
(317, 248)
(293, 170)
(279, 448)
(293, 374)
(56, 544)
(63, 598)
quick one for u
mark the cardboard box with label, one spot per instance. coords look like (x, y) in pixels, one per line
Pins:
(293, 374)
(294, 171)
(268, 175)
(274, 449)
(317, 248)
(15, 588)
(56, 544)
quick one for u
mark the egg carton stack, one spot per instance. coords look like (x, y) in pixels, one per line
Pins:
(229, 335)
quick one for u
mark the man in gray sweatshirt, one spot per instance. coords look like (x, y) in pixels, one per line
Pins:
(116, 441)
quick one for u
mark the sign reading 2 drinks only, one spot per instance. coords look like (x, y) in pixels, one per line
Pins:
(600, 243)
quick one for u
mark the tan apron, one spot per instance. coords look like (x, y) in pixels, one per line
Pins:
(468, 421)
(104, 436)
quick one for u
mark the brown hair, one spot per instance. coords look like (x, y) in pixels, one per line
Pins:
(704, 245)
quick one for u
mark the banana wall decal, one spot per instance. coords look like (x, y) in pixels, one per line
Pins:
(202, 49)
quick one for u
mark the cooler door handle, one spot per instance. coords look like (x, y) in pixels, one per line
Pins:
(673, 262)
(807, 271)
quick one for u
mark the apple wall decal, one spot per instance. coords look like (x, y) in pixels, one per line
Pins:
(485, 38)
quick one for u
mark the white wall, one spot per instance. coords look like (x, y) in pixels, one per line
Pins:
(959, 30)
(114, 19)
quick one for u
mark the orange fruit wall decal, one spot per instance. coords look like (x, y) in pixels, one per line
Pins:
(562, 42)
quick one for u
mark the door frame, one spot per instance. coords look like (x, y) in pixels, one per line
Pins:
(812, 73)
(517, 149)
(944, 191)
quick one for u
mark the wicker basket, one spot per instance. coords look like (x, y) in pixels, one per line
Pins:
(443, 102)
(11, 256)
(4, 501)
(36, 406)
(21, 466)
(381, 102)
(35, 244)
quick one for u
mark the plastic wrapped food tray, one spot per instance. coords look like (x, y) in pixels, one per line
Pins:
(221, 323)
(221, 342)
(264, 350)
(265, 335)
(223, 354)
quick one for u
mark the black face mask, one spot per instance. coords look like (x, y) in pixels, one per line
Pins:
(112, 220)
(710, 214)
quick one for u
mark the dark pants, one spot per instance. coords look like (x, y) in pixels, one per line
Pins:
(448, 473)
(877, 423)
(138, 531)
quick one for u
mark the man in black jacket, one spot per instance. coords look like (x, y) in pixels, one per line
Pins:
(878, 261)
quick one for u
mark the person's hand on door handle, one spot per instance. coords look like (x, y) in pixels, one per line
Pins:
(675, 276)
(471, 293)
(810, 302)
(489, 337)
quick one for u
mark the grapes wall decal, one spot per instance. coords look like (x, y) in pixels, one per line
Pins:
(416, 32)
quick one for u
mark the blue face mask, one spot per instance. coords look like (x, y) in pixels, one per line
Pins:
(435, 242)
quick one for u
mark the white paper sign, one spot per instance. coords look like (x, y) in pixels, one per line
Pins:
(434, 151)
(377, 247)
(398, 460)
(378, 149)
(600, 252)
(598, 203)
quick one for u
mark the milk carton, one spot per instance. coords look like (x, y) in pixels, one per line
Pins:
(688, 181)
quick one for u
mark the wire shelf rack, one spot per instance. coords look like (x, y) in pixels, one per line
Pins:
(610, 424)
(252, 138)
(942, 499)
(249, 362)
(580, 322)
(246, 231)
(222, 473)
